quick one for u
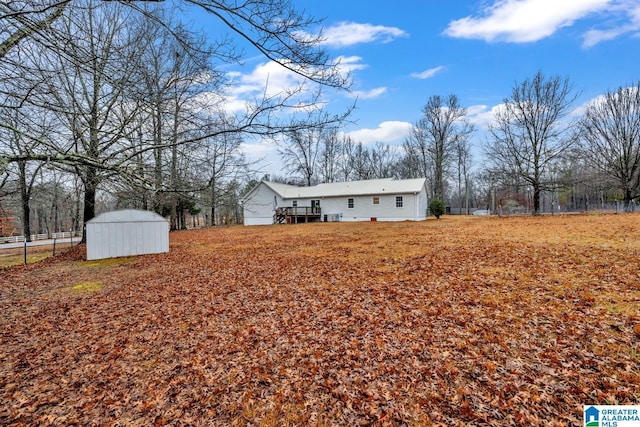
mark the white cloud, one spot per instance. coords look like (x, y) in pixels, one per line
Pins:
(482, 116)
(264, 157)
(593, 37)
(630, 23)
(523, 21)
(352, 33)
(368, 94)
(427, 74)
(601, 99)
(258, 149)
(347, 64)
(579, 111)
(390, 131)
(270, 78)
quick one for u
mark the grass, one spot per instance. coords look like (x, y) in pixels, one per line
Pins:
(13, 260)
(15, 256)
(87, 287)
(108, 262)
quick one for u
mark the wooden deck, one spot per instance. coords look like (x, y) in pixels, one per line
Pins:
(295, 215)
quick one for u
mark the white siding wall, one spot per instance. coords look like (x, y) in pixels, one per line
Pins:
(258, 221)
(414, 207)
(117, 239)
(259, 208)
(423, 205)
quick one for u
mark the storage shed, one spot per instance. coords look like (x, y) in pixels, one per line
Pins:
(125, 233)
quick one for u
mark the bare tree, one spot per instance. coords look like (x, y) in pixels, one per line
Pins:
(329, 156)
(361, 163)
(300, 153)
(345, 165)
(530, 133)
(610, 132)
(384, 161)
(19, 125)
(89, 57)
(340, 159)
(356, 161)
(462, 159)
(415, 162)
(21, 20)
(88, 90)
(273, 27)
(187, 69)
(221, 164)
(433, 138)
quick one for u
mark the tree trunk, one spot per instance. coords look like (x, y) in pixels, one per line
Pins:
(157, 157)
(183, 219)
(76, 213)
(213, 199)
(439, 183)
(467, 194)
(439, 147)
(174, 220)
(628, 198)
(537, 194)
(25, 195)
(90, 185)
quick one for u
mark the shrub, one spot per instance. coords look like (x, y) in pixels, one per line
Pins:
(436, 207)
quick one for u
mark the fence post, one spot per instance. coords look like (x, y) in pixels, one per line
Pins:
(55, 237)
(25, 251)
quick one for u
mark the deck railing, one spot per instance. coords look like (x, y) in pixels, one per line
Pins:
(292, 214)
(302, 211)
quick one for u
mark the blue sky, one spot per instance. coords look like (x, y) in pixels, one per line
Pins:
(402, 52)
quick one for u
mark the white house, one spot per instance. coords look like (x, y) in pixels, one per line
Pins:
(373, 200)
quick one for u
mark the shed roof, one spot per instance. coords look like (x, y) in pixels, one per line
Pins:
(353, 188)
(127, 215)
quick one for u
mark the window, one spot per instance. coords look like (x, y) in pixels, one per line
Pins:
(350, 203)
(294, 203)
(376, 200)
(398, 201)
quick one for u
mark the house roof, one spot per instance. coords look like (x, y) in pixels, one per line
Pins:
(127, 215)
(353, 188)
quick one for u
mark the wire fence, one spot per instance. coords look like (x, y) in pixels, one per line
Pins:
(16, 250)
(511, 210)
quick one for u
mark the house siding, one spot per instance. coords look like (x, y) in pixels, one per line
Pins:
(364, 209)
(259, 205)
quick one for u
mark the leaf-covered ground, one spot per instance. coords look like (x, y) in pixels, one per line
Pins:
(462, 321)
(15, 256)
